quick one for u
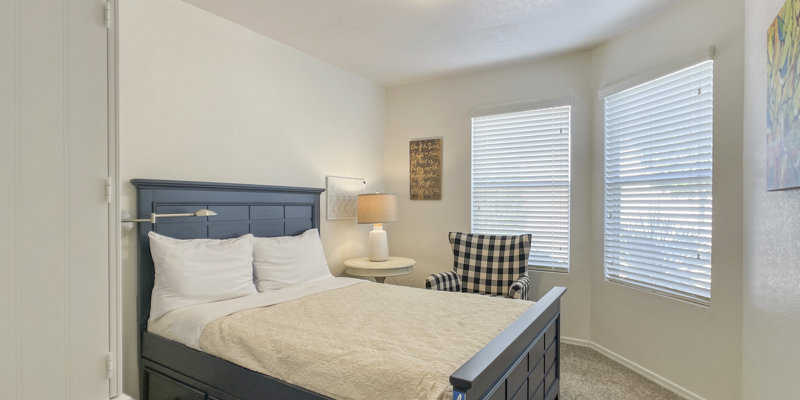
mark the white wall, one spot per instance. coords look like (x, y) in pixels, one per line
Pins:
(771, 238)
(443, 108)
(696, 348)
(230, 99)
(202, 98)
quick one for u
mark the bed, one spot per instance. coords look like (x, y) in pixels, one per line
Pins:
(521, 362)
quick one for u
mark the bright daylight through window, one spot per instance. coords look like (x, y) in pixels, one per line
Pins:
(658, 164)
(520, 180)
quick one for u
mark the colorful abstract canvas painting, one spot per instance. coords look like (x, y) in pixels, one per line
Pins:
(783, 99)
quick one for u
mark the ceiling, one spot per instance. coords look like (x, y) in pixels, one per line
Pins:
(396, 42)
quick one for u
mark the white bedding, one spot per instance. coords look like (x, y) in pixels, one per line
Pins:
(185, 325)
(348, 338)
(364, 342)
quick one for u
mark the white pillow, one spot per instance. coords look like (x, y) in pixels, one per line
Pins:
(198, 271)
(288, 260)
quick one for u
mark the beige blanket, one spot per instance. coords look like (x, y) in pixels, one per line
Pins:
(364, 342)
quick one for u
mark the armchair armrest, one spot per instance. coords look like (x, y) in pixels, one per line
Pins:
(446, 281)
(519, 289)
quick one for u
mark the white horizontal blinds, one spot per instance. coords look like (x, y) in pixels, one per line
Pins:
(658, 142)
(520, 180)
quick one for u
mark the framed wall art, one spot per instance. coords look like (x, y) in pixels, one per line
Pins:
(783, 99)
(342, 196)
(425, 169)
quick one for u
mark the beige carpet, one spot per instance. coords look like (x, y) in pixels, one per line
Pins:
(589, 375)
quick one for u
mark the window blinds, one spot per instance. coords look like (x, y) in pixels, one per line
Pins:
(520, 180)
(658, 142)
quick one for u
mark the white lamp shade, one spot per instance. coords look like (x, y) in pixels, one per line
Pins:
(377, 208)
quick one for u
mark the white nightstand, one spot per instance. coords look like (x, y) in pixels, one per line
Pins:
(379, 270)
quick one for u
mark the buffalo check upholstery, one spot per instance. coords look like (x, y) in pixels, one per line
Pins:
(487, 264)
(519, 289)
(445, 281)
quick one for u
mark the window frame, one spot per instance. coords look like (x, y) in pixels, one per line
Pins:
(634, 84)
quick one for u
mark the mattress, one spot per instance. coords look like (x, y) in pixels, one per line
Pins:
(363, 340)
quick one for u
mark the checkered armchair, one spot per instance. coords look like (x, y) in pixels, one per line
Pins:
(487, 264)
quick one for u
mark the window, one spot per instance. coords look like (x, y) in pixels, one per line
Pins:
(658, 142)
(520, 180)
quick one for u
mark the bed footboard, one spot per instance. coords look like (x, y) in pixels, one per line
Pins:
(520, 363)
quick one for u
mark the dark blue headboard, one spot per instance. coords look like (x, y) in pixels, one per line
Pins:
(260, 210)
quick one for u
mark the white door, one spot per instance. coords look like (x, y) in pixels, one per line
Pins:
(54, 240)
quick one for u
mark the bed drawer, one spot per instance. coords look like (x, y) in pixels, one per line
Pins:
(160, 387)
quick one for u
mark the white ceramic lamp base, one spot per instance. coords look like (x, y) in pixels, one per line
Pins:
(378, 244)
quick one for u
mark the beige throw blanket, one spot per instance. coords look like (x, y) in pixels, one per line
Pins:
(364, 342)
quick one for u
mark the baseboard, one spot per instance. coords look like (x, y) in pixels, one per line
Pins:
(577, 342)
(122, 396)
(658, 379)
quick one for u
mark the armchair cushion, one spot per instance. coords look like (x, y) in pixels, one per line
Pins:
(446, 281)
(489, 264)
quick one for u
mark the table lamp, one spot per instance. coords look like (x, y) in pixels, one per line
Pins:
(375, 209)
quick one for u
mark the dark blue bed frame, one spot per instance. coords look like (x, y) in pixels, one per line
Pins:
(522, 362)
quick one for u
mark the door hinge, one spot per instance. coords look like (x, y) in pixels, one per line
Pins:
(109, 189)
(110, 365)
(108, 14)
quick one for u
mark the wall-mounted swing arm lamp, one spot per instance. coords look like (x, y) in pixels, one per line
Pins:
(199, 213)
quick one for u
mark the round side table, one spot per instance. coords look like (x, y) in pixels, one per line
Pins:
(379, 270)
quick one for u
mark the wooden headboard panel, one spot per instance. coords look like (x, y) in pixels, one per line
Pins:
(261, 210)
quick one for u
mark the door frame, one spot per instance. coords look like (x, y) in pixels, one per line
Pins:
(114, 219)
